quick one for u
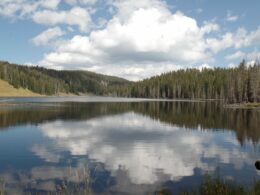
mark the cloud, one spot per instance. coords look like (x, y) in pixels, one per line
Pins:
(75, 16)
(232, 65)
(71, 2)
(255, 55)
(146, 35)
(151, 35)
(49, 4)
(44, 179)
(46, 36)
(239, 39)
(22, 8)
(136, 71)
(249, 63)
(147, 151)
(204, 66)
(231, 18)
(47, 12)
(8, 8)
(81, 2)
(140, 38)
(124, 9)
(93, 142)
(224, 42)
(88, 2)
(151, 145)
(44, 153)
(236, 55)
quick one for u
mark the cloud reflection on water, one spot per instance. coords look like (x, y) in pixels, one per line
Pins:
(131, 149)
(145, 147)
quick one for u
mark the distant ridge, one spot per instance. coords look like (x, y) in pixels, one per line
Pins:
(51, 82)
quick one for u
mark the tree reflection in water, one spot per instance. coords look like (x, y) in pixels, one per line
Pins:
(132, 148)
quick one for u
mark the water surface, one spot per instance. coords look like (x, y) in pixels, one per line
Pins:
(123, 146)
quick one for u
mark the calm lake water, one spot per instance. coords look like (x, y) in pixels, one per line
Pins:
(123, 146)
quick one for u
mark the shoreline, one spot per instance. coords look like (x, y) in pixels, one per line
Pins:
(4, 99)
(243, 106)
(41, 95)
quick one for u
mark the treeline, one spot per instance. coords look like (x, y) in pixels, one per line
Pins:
(28, 78)
(204, 115)
(84, 81)
(51, 82)
(234, 85)
(207, 116)
(37, 114)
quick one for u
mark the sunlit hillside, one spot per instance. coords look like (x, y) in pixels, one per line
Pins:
(8, 90)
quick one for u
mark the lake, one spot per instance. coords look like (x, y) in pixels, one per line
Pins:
(123, 146)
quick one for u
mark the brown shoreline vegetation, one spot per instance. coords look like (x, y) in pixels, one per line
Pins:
(243, 106)
(216, 186)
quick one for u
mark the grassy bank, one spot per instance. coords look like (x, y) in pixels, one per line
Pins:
(7, 90)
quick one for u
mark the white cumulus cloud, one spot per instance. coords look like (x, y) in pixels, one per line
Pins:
(139, 39)
(168, 148)
(22, 8)
(75, 16)
(50, 4)
(239, 39)
(46, 36)
(82, 2)
(151, 39)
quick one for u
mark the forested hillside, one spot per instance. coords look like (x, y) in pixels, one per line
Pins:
(234, 85)
(84, 81)
(51, 82)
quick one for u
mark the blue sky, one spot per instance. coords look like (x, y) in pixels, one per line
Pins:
(129, 38)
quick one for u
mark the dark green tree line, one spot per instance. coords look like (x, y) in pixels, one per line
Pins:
(234, 85)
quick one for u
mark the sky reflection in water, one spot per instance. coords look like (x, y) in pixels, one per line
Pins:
(124, 152)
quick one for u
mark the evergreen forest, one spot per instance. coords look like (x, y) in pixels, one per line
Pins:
(233, 85)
